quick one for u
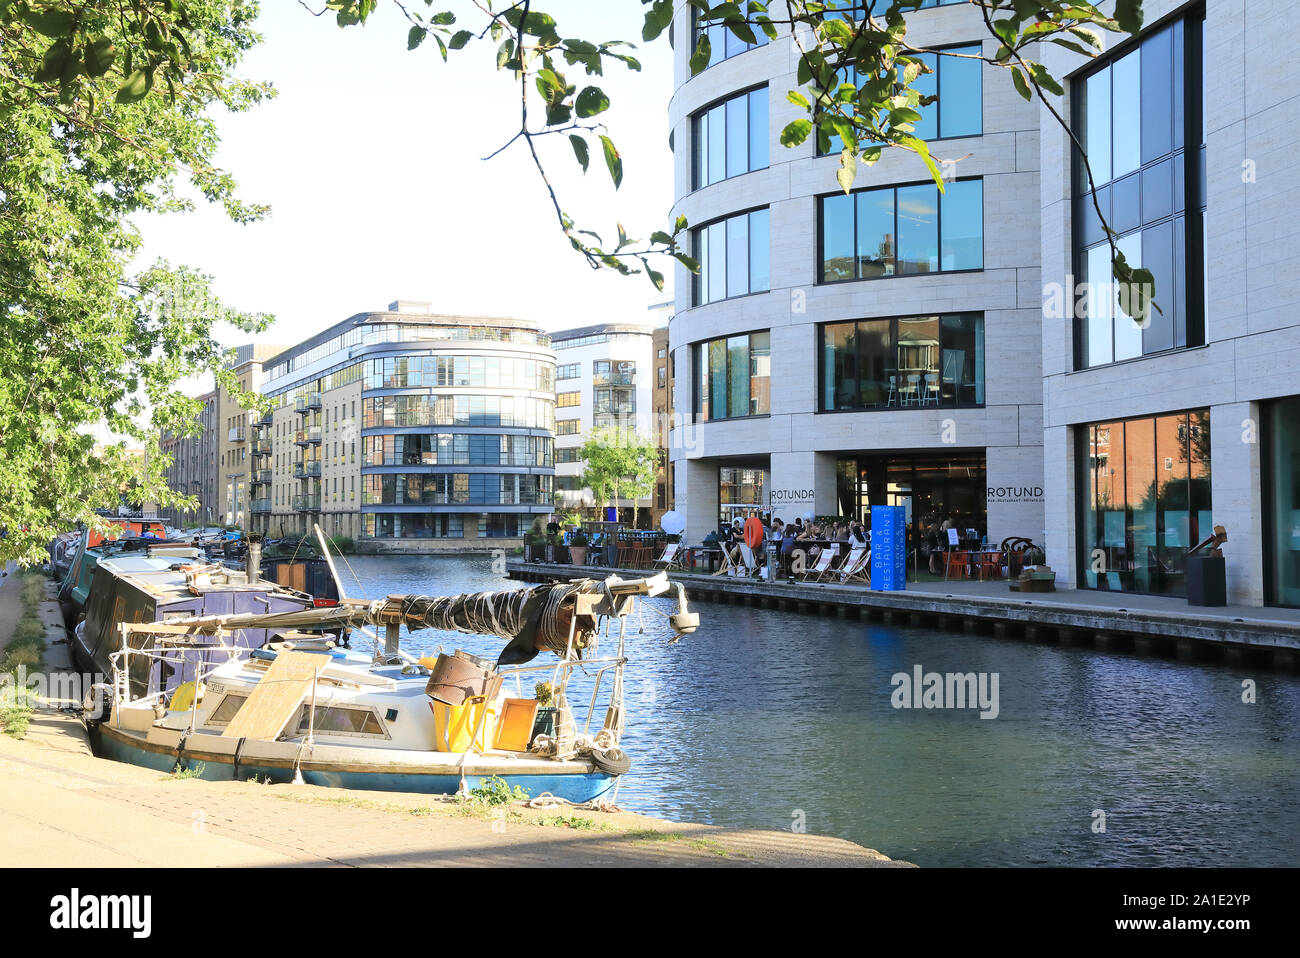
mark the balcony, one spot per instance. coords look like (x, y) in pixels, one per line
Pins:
(266, 418)
(306, 503)
(259, 506)
(262, 447)
(307, 436)
(261, 476)
(313, 401)
(306, 470)
(614, 379)
(236, 434)
(300, 405)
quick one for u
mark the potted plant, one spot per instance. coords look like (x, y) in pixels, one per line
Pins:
(578, 547)
(544, 723)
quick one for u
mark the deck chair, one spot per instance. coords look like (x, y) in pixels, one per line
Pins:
(748, 565)
(728, 565)
(823, 567)
(857, 567)
(671, 559)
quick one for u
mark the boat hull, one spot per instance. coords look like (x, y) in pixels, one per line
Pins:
(576, 783)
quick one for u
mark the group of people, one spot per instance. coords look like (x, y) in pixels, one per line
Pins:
(788, 536)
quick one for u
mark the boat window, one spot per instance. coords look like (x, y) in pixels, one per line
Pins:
(224, 712)
(341, 720)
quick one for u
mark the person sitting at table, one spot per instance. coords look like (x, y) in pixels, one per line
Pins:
(857, 535)
(778, 530)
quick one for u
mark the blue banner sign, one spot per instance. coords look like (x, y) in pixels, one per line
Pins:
(889, 548)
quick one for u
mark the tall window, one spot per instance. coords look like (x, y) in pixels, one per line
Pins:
(568, 399)
(722, 42)
(903, 362)
(956, 77)
(731, 138)
(1139, 118)
(1145, 498)
(733, 377)
(902, 231)
(734, 257)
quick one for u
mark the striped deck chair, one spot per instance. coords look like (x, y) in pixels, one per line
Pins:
(857, 567)
(671, 559)
(748, 566)
(728, 565)
(823, 567)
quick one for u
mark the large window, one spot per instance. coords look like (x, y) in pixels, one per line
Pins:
(517, 411)
(899, 231)
(1282, 501)
(956, 78)
(412, 525)
(722, 42)
(1145, 489)
(1139, 118)
(903, 362)
(432, 449)
(405, 372)
(733, 377)
(442, 488)
(740, 492)
(730, 138)
(733, 255)
(563, 400)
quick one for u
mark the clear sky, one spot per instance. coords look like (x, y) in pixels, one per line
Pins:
(371, 158)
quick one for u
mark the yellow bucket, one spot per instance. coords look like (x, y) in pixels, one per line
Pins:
(454, 725)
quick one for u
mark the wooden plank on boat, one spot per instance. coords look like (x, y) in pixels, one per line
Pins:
(277, 697)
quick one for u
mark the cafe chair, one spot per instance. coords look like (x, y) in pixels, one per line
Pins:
(671, 558)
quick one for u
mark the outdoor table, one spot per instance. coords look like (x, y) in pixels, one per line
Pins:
(701, 555)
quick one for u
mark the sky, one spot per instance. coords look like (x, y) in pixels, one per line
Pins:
(371, 158)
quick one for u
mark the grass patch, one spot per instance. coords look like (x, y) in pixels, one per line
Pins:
(193, 771)
(575, 822)
(33, 591)
(16, 708)
(654, 835)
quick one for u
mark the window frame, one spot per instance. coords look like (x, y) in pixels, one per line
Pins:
(819, 261)
(697, 279)
(703, 111)
(893, 321)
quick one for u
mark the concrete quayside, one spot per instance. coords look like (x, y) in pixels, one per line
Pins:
(1113, 621)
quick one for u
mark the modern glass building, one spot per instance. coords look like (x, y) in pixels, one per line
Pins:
(1155, 432)
(839, 351)
(408, 430)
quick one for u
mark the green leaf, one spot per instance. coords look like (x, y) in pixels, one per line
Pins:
(1022, 87)
(100, 54)
(796, 132)
(703, 53)
(135, 87)
(459, 39)
(54, 22)
(659, 236)
(1128, 14)
(798, 99)
(580, 151)
(613, 161)
(414, 37)
(655, 277)
(848, 170)
(54, 63)
(591, 101)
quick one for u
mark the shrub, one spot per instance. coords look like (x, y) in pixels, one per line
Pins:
(495, 791)
(16, 707)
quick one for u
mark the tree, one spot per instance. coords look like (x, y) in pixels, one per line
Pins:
(615, 462)
(103, 108)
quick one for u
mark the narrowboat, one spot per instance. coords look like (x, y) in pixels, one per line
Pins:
(301, 710)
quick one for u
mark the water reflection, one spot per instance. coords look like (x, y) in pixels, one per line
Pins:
(763, 716)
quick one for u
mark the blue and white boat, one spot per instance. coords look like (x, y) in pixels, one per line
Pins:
(302, 710)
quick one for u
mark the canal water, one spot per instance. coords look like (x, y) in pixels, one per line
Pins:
(780, 720)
